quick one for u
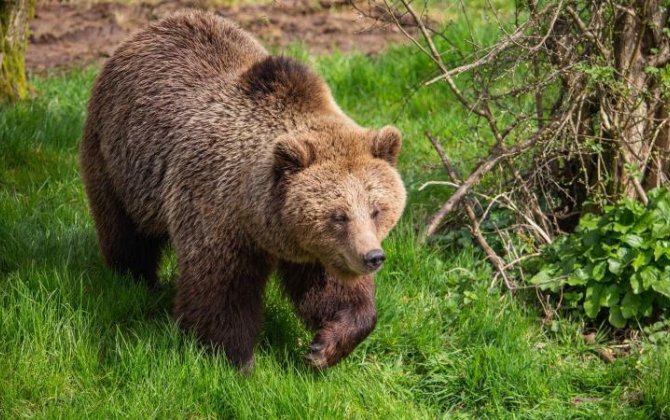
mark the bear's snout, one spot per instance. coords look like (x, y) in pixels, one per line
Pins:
(374, 259)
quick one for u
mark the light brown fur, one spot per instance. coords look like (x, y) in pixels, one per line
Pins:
(245, 163)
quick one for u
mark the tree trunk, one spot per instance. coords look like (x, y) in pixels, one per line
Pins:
(659, 165)
(640, 114)
(14, 17)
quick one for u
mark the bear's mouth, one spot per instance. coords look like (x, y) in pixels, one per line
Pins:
(341, 269)
(342, 274)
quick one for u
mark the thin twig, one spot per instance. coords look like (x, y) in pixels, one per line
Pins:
(482, 169)
(587, 33)
(493, 53)
(497, 262)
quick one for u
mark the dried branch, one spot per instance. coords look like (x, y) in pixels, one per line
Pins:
(435, 56)
(497, 262)
(493, 158)
(486, 59)
(587, 33)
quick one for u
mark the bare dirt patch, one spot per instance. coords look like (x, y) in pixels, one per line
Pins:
(66, 34)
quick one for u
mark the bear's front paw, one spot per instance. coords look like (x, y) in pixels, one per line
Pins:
(247, 368)
(339, 337)
(323, 353)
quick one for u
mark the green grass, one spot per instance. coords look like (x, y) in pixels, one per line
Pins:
(78, 340)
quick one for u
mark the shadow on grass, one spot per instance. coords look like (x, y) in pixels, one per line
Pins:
(70, 267)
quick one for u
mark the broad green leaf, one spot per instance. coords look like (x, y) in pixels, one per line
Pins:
(641, 260)
(592, 300)
(625, 255)
(657, 195)
(661, 248)
(644, 223)
(614, 266)
(662, 286)
(608, 208)
(610, 249)
(572, 299)
(658, 337)
(591, 308)
(598, 272)
(584, 274)
(588, 221)
(649, 275)
(574, 280)
(635, 207)
(633, 240)
(569, 266)
(616, 318)
(619, 228)
(591, 238)
(610, 296)
(596, 253)
(660, 229)
(624, 221)
(545, 278)
(648, 242)
(630, 305)
(636, 283)
(664, 207)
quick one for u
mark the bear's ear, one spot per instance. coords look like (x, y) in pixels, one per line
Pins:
(291, 155)
(386, 144)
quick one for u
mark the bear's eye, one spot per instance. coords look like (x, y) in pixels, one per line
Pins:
(340, 218)
(375, 213)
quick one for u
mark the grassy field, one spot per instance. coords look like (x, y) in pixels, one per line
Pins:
(77, 340)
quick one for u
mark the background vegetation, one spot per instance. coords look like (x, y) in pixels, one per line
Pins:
(78, 340)
(14, 16)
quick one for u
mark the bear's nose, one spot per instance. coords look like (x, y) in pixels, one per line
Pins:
(374, 259)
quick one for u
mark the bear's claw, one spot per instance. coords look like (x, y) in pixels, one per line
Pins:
(247, 368)
(316, 361)
(321, 354)
(317, 358)
(325, 351)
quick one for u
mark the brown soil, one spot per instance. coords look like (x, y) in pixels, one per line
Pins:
(63, 34)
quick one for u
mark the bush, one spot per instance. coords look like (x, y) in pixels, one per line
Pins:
(619, 260)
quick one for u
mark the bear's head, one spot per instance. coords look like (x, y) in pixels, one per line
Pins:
(341, 195)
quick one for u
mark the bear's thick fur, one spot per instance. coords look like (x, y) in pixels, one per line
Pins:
(244, 162)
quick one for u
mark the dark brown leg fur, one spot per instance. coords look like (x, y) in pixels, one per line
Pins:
(341, 315)
(220, 298)
(123, 248)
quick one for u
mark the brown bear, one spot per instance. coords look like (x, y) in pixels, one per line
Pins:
(243, 161)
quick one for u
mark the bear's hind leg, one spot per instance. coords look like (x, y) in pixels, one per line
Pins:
(342, 315)
(133, 253)
(123, 247)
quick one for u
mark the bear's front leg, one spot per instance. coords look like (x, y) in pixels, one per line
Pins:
(341, 314)
(220, 297)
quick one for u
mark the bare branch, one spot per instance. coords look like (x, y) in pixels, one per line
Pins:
(587, 33)
(497, 262)
(485, 166)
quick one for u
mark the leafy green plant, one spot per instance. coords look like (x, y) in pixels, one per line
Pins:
(618, 261)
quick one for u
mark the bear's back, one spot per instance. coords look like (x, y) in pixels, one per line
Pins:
(192, 45)
(165, 77)
(191, 103)
(154, 93)
(170, 68)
